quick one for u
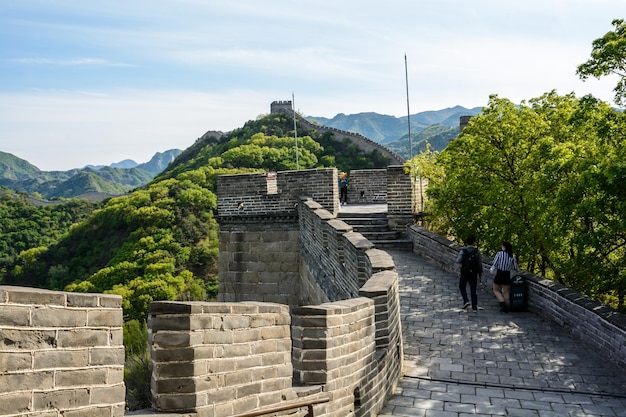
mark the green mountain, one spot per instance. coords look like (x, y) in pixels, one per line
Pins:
(19, 175)
(13, 168)
(437, 127)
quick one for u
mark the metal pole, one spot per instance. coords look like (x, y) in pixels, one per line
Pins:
(295, 131)
(408, 110)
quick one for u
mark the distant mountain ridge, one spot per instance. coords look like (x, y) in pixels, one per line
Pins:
(435, 127)
(386, 129)
(117, 179)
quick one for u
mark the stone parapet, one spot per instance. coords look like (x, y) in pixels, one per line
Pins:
(60, 353)
(220, 359)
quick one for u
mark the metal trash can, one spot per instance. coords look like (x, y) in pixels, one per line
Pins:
(519, 294)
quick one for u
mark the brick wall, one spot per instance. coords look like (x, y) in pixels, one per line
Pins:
(400, 198)
(345, 337)
(219, 359)
(61, 354)
(591, 322)
(367, 186)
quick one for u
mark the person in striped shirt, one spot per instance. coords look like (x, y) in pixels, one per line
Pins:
(503, 263)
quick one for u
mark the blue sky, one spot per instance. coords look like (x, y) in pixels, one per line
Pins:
(96, 82)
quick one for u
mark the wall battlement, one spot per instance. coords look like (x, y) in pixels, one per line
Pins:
(362, 142)
(287, 247)
(61, 353)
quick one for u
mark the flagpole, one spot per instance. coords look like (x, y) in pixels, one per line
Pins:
(295, 131)
(408, 111)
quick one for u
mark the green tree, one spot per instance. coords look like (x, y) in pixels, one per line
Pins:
(608, 56)
(542, 175)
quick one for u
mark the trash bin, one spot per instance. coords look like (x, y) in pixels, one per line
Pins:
(519, 294)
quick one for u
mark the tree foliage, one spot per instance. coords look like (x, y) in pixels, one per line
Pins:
(545, 176)
(608, 57)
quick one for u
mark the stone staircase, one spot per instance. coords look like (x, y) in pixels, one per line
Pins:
(373, 226)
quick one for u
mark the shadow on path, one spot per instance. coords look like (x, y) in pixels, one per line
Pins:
(460, 363)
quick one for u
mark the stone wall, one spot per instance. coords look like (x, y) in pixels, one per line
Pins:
(363, 143)
(400, 198)
(367, 186)
(220, 359)
(61, 354)
(593, 323)
(259, 244)
(339, 293)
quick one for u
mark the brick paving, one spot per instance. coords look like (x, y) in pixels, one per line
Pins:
(460, 363)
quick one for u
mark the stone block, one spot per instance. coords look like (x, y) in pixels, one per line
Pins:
(14, 315)
(35, 296)
(15, 361)
(26, 381)
(81, 377)
(105, 318)
(61, 399)
(179, 402)
(76, 299)
(15, 403)
(89, 411)
(106, 356)
(14, 339)
(83, 338)
(59, 317)
(49, 359)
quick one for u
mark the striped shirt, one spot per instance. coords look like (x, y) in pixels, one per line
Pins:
(503, 262)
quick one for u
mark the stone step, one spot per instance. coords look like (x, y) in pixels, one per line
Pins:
(379, 221)
(405, 245)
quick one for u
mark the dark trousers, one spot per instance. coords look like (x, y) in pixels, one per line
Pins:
(472, 280)
(343, 194)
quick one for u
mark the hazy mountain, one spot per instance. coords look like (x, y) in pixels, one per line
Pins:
(159, 161)
(14, 168)
(125, 164)
(386, 129)
(435, 127)
(116, 179)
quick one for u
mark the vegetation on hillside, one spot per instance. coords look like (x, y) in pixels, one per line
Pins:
(26, 229)
(160, 242)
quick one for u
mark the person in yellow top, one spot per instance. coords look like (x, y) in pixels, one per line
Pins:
(343, 188)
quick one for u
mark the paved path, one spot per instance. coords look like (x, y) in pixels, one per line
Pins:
(459, 363)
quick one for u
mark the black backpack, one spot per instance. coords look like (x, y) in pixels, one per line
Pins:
(470, 262)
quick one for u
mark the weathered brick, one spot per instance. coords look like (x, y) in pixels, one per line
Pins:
(58, 317)
(48, 359)
(106, 356)
(80, 377)
(83, 338)
(26, 381)
(61, 399)
(11, 315)
(16, 361)
(104, 318)
(26, 339)
(15, 403)
(35, 296)
(110, 394)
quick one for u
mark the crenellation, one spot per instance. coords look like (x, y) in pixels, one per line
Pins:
(56, 346)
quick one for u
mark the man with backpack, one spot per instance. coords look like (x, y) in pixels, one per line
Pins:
(471, 268)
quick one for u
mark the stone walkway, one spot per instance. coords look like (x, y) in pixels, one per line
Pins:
(459, 363)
